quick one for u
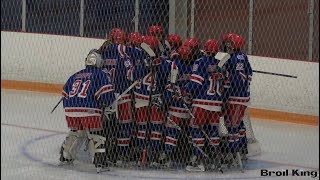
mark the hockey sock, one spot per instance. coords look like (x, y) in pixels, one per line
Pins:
(213, 132)
(233, 139)
(171, 139)
(141, 136)
(156, 136)
(124, 134)
(198, 139)
(242, 136)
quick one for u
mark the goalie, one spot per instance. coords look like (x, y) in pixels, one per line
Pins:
(85, 94)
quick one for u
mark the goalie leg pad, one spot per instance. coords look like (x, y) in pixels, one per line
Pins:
(72, 144)
(97, 147)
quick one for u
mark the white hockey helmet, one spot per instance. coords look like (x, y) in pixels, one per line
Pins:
(93, 59)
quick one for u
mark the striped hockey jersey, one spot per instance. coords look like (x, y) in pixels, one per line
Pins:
(206, 84)
(239, 71)
(118, 64)
(86, 91)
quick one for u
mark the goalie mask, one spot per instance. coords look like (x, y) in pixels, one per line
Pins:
(93, 59)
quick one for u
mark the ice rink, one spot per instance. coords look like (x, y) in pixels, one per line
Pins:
(31, 138)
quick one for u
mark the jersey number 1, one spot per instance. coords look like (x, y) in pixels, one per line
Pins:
(76, 86)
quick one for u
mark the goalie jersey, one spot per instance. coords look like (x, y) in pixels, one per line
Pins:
(239, 73)
(86, 91)
(206, 84)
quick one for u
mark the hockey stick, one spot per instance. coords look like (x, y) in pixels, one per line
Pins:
(275, 74)
(57, 105)
(152, 55)
(161, 48)
(167, 44)
(148, 49)
(223, 57)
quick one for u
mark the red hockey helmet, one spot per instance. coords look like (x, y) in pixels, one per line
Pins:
(194, 43)
(185, 52)
(225, 37)
(152, 41)
(112, 32)
(155, 31)
(118, 36)
(174, 40)
(211, 46)
(238, 41)
(135, 39)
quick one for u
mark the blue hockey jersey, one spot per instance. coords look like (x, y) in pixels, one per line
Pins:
(86, 91)
(206, 84)
(239, 71)
(118, 64)
(184, 75)
(173, 100)
(143, 73)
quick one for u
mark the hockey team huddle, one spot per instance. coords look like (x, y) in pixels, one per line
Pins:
(160, 93)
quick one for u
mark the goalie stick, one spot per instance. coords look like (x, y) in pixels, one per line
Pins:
(275, 74)
(57, 105)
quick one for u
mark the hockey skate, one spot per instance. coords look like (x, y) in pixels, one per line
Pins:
(163, 161)
(101, 163)
(122, 160)
(64, 161)
(195, 164)
(233, 160)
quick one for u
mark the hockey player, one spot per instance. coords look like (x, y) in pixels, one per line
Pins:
(238, 94)
(119, 66)
(177, 113)
(158, 32)
(86, 93)
(175, 41)
(194, 43)
(206, 87)
(152, 74)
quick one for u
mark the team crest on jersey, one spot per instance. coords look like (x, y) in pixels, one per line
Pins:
(195, 67)
(240, 56)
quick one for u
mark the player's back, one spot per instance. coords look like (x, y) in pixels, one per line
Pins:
(240, 73)
(206, 82)
(82, 88)
(185, 71)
